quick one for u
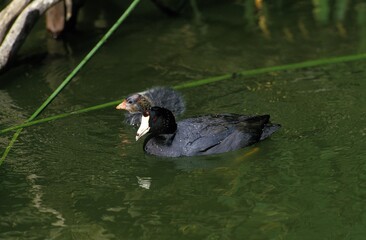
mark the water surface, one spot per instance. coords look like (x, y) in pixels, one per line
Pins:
(85, 177)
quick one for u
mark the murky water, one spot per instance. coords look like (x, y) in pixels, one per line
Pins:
(85, 177)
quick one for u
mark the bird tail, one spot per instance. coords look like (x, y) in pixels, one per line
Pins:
(269, 129)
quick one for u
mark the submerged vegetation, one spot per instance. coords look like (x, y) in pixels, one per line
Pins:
(71, 76)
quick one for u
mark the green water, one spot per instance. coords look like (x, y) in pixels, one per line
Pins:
(85, 177)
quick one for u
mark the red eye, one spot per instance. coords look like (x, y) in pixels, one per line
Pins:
(154, 119)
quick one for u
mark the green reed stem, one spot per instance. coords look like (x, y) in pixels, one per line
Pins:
(197, 83)
(292, 66)
(203, 82)
(62, 115)
(71, 76)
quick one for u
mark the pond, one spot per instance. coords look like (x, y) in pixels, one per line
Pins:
(85, 176)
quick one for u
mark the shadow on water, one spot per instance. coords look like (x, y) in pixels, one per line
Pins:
(86, 177)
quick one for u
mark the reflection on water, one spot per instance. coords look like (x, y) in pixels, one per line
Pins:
(144, 182)
(36, 191)
(86, 177)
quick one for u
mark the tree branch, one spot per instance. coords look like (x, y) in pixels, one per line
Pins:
(8, 14)
(21, 28)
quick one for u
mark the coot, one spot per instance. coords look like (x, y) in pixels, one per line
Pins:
(202, 135)
(137, 103)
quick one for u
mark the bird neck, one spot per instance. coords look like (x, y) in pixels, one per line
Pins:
(160, 139)
(145, 103)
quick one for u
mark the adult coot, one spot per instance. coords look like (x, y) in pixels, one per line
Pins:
(201, 135)
(137, 103)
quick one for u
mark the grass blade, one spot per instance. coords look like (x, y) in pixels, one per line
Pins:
(71, 76)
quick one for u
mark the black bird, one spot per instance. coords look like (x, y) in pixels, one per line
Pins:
(202, 135)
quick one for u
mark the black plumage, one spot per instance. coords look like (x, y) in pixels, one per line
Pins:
(202, 135)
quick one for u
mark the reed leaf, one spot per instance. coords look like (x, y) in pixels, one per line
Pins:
(293, 66)
(201, 82)
(63, 115)
(70, 77)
